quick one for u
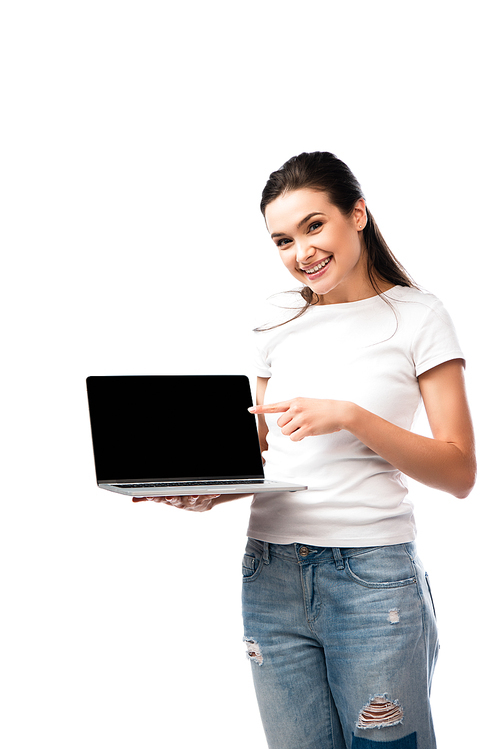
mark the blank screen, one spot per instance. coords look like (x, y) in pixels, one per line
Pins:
(161, 428)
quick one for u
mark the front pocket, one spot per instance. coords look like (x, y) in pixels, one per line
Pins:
(381, 567)
(248, 566)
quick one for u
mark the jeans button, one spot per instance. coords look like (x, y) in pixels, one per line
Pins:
(303, 551)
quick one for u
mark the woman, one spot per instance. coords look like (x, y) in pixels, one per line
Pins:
(339, 620)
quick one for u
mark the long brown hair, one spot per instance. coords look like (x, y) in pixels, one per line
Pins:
(323, 171)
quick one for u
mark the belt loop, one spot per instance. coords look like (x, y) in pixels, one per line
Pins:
(265, 552)
(338, 558)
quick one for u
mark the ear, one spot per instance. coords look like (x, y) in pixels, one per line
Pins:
(359, 215)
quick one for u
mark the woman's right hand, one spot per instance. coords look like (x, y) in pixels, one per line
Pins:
(194, 503)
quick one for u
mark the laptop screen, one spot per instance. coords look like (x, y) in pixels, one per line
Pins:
(173, 428)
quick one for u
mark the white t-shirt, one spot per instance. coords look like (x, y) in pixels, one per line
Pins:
(369, 353)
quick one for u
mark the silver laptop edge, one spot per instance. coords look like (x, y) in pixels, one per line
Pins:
(174, 491)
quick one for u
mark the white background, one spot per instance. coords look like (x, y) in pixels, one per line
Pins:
(136, 139)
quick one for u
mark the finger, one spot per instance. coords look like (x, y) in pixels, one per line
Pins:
(271, 408)
(285, 420)
(199, 506)
(289, 429)
(186, 501)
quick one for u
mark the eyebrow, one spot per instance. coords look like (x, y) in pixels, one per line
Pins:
(301, 223)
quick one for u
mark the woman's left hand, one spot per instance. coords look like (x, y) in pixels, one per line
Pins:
(194, 502)
(307, 417)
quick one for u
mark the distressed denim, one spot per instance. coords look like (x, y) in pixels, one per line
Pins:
(342, 644)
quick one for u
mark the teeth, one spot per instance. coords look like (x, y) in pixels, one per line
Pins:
(318, 267)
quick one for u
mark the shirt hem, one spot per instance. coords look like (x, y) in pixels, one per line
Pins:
(404, 538)
(437, 360)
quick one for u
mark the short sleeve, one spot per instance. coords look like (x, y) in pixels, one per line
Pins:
(435, 341)
(272, 314)
(261, 364)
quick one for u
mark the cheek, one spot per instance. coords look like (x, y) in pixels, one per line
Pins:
(289, 262)
(352, 251)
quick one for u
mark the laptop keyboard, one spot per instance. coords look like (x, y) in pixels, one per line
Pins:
(193, 483)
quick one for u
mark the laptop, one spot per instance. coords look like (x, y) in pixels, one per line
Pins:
(169, 435)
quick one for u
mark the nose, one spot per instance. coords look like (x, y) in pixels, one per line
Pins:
(304, 252)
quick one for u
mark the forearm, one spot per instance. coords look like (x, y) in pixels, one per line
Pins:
(436, 463)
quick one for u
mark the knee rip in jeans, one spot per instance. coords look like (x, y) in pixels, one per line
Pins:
(253, 650)
(380, 713)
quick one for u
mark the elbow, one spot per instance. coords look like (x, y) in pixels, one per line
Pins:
(462, 494)
(466, 485)
(463, 474)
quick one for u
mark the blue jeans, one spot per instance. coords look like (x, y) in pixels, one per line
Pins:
(343, 643)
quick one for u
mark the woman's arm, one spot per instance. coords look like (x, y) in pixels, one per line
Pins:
(261, 419)
(446, 461)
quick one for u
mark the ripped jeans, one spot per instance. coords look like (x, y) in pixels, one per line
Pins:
(343, 643)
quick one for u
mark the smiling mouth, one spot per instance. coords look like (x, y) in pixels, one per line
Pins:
(312, 271)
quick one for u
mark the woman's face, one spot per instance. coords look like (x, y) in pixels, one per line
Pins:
(320, 246)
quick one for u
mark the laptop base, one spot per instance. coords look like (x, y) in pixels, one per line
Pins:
(257, 487)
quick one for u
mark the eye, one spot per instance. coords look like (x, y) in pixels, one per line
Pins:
(282, 242)
(315, 225)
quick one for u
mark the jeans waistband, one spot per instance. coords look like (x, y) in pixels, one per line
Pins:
(309, 554)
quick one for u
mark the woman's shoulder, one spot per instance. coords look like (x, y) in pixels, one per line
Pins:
(423, 313)
(415, 303)
(412, 294)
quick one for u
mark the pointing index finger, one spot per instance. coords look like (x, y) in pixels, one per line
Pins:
(271, 408)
